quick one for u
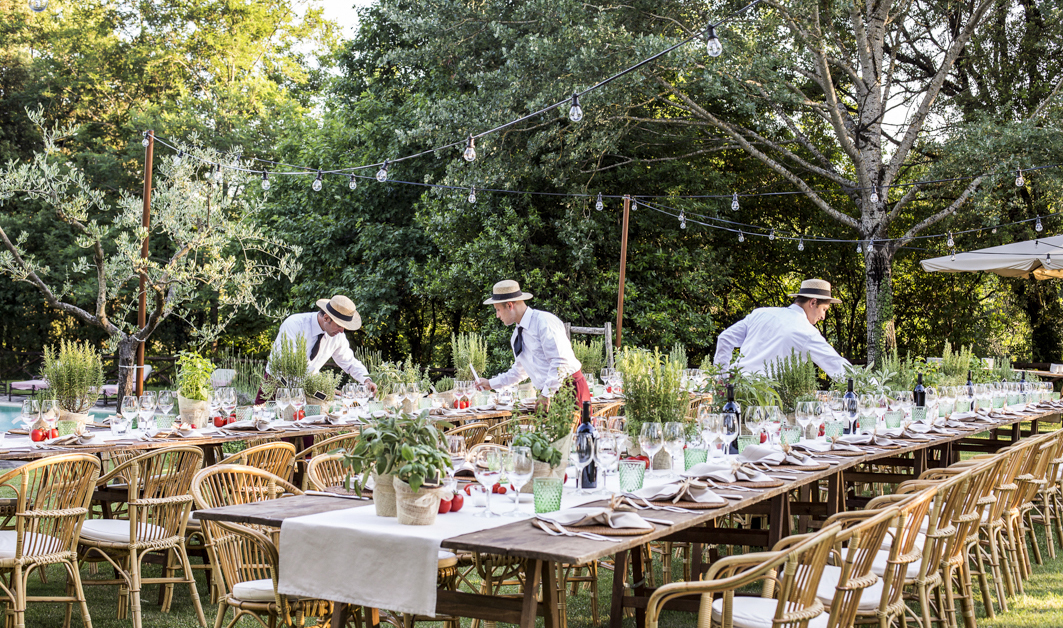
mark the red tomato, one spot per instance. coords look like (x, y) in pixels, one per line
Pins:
(54, 433)
(444, 506)
(763, 437)
(457, 404)
(456, 502)
(38, 435)
(464, 404)
(220, 421)
(503, 489)
(822, 429)
(468, 489)
(494, 489)
(565, 480)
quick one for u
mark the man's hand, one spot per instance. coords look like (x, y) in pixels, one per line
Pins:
(370, 385)
(542, 402)
(483, 384)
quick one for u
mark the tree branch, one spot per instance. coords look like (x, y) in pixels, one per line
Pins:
(951, 209)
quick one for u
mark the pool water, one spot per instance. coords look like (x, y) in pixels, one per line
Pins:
(9, 413)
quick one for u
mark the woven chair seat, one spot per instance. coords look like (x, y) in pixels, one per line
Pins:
(9, 539)
(828, 584)
(756, 612)
(882, 558)
(117, 531)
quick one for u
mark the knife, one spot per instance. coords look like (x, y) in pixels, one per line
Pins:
(475, 377)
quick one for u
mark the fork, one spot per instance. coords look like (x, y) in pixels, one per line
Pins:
(731, 488)
(646, 505)
(561, 531)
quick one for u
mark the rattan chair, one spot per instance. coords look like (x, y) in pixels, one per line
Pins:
(302, 459)
(275, 457)
(158, 503)
(326, 471)
(503, 433)
(1032, 505)
(474, 433)
(53, 496)
(246, 555)
(789, 577)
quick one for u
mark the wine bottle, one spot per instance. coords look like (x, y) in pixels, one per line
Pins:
(1022, 384)
(589, 475)
(731, 411)
(849, 405)
(919, 393)
(970, 385)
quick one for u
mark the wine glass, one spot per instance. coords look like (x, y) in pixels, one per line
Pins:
(130, 407)
(413, 393)
(31, 412)
(147, 412)
(674, 442)
(804, 413)
(165, 401)
(487, 467)
(519, 467)
(581, 455)
(49, 413)
(729, 430)
(754, 420)
(228, 401)
(607, 379)
(932, 399)
(456, 446)
(283, 398)
(773, 420)
(865, 405)
(607, 456)
(710, 425)
(297, 400)
(651, 439)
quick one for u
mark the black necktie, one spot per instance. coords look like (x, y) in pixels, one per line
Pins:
(317, 345)
(518, 342)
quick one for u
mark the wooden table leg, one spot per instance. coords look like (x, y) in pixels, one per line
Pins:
(780, 519)
(530, 606)
(549, 579)
(835, 494)
(616, 610)
(638, 575)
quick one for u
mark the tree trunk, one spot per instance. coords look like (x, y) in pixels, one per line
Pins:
(878, 278)
(126, 353)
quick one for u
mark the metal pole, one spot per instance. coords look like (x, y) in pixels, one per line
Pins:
(623, 270)
(142, 314)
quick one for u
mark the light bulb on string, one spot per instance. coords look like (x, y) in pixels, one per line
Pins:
(1037, 226)
(472, 194)
(353, 183)
(1048, 258)
(741, 236)
(316, 185)
(734, 202)
(265, 181)
(712, 42)
(801, 244)
(144, 142)
(682, 220)
(382, 174)
(874, 193)
(1019, 180)
(598, 204)
(470, 150)
(954, 256)
(575, 112)
(771, 236)
(177, 159)
(859, 249)
(951, 243)
(994, 230)
(38, 5)
(870, 245)
(634, 204)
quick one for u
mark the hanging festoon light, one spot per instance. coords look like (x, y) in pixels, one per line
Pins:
(316, 185)
(1037, 225)
(801, 244)
(634, 204)
(177, 158)
(771, 236)
(575, 112)
(682, 220)
(470, 150)
(144, 142)
(265, 181)
(1019, 180)
(38, 5)
(859, 248)
(954, 256)
(712, 42)
(874, 193)
(353, 183)
(382, 174)
(741, 236)
(598, 204)
(951, 243)
(734, 202)
(472, 194)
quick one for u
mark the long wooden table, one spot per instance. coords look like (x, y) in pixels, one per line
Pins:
(544, 552)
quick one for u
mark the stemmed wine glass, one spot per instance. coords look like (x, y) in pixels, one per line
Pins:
(283, 397)
(130, 407)
(651, 440)
(487, 467)
(711, 425)
(674, 442)
(165, 401)
(49, 413)
(147, 412)
(297, 400)
(581, 455)
(754, 420)
(804, 412)
(773, 420)
(228, 401)
(607, 456)
(865, 408)
(519, 467)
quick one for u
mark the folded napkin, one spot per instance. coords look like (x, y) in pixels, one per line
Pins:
(866, 439)
(74, 439)
(582, 517)
(771, 456)
(920, 428)
(821, 447)
(176, 432)
(725, 472)
(260, 425)
(324, 419)
(689, 490)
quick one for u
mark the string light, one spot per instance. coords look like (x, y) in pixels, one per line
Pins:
(874, 193)
(472, 194)
(954, 256)
(734, 202)
(634, 204)
(801, 244)
(470, 150)
(682, 220)
(771, 236)
(353, 183)
(870, 245)
(1019, 180)
(144, 142)
(951, 243)
(316, 185)
(598, 204)
(382, 174)
(712, 42)
(741, 236)
(265, 181)
(38, 5)
(1037, 226)
(1048, 258)
(575, 112)
(178, 158)
(859, 249)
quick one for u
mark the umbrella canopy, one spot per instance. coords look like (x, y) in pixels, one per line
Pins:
(1042, 258)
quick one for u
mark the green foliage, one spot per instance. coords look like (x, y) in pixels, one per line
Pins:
(445, 384)
(541, 448)
(422, 464)
(466, 349)
(386, 375)
(678, 354)
(652, 388)
(321, 386)
(369, 358)
(288, 365)
(795, 377)
(867, 380)
(380, 448)
(591, 355)
(754, 389)
(556, 421)
(74, 374)
(193, 376)
(249, 374)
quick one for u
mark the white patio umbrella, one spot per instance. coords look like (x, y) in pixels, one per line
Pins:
(1042, 258)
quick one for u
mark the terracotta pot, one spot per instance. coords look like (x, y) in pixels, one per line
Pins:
(193, 411)
(384, 495)
(416, 508)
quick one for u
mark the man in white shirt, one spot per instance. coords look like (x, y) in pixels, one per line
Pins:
(324, 338)
(541, 348)
(771, 333)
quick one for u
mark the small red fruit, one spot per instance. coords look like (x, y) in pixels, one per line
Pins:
(565, 481)
(822, 429)
(444, 506)
(494, 489)
(457, 404)
(468, 489)
(464, 404)
(456, 503)
(220, 421)
(54, 433)
(763, 437)
(503, 489)
(38, 435)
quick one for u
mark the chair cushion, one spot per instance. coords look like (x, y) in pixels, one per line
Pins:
(46, 545)
(869, 597)
(117, 531)
(882, 561)
(920, 540)
(756, 612)
(255, 591)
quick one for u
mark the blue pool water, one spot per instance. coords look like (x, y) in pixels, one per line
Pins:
(9, 415)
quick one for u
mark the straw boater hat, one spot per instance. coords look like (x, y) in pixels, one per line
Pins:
(505, 291)
(341, 309)
(815, 289)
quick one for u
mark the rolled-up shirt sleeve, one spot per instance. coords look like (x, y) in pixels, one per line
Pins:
(344, 358)
(728, 340)
(515, 375)
(557, 371)
(825, 356)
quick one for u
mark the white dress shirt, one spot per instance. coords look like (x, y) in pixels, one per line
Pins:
(335, 347)
(769, 334)
(546, 351)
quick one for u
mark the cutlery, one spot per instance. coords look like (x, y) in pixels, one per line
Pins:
(561, 531)
(646, 505)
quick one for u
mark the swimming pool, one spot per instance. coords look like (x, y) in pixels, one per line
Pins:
(9, 413)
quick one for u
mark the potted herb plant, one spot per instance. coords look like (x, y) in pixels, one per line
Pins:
(193, 388)
(418, 483)
(287, 369)
(547, 457)
(320, 390)
(74, 374)
(554, 425)
(653, 392)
